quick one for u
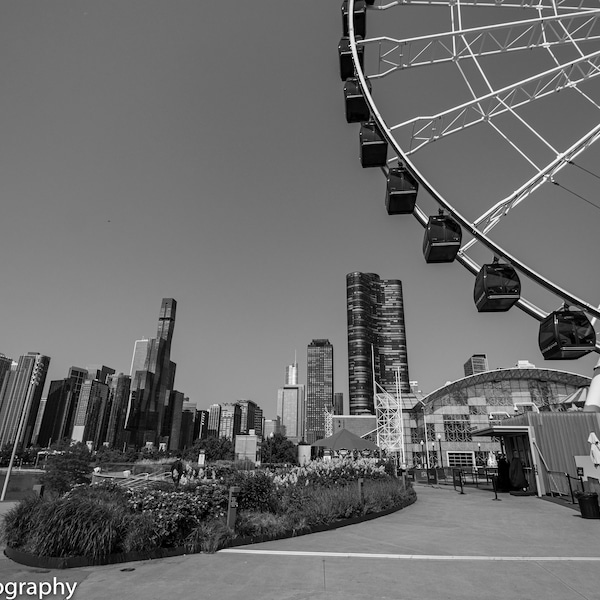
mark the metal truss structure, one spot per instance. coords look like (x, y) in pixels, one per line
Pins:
(390, 424)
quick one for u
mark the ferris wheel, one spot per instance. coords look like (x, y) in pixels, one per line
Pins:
(510, 88)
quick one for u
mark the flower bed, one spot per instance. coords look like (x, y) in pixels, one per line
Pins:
(104, 521)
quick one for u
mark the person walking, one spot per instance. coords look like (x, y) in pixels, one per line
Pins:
(177, 471)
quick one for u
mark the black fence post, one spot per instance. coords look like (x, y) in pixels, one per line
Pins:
(570, 488)
(495, 485)
(232, 505)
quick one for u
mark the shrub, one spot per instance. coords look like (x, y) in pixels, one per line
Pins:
(67, 469)
(254, 523)
(142, 533)
(76, 527)
(21, 521)
(177, 513)
(257, 491)
(106, 492)
(209, 536)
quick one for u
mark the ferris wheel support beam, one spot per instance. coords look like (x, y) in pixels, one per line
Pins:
(547, 5)
(489, 106)
(470, 227)
(452, 46)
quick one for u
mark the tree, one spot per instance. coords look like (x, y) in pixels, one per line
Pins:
(68, 467)
(214, 449)
(278, 449)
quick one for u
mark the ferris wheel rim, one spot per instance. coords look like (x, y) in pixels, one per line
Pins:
(471, 227)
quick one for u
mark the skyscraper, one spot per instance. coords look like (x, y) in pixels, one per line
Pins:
(319, 387)
(118, 395)
(61, 403)
(248, 416)
(376, 331)
(151, 386)
(478, 363)
(291, 405)
(231, 419)
(91, 418)
(214, 420)
(20, 398)
(5, 367)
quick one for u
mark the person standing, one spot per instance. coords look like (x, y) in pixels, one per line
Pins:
(516, 473)
(177, 471)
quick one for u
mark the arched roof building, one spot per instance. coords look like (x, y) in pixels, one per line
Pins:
(443, 422)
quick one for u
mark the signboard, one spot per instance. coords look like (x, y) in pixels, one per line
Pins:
(579, 471)
(431, 476)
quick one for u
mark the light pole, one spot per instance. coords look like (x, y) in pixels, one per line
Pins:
(478, 453)
(432, 454)
(426, 453)
(271, 436)
(439, 437)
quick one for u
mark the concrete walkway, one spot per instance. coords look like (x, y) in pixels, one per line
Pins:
(446, 546)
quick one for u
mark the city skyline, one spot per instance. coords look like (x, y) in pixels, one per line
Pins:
(153, 167)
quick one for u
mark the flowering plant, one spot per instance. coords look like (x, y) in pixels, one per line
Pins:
(178, 512)
(334, 472)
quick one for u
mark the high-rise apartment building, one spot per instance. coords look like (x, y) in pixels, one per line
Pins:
(376, 339)
(91, 416)
(291, 406)
(478, 363)
(230, 422)
(248, 416)
(201, 425)
(319, 387)
(151, 385)
(259, 419)
(20, 398)
(5, 367)
(214, 420)
(118, 396)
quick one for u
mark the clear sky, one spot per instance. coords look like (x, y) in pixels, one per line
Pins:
(200, 151)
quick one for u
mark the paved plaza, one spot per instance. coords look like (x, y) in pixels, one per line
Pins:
(447, 546)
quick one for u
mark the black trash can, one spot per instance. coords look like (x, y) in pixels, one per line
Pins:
(588, 505)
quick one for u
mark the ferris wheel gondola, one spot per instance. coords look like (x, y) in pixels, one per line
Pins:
(400, 192)
(442, 239)
(497, 287)
(357, 109)
(373, 146)
(566, 335)
(345, 57)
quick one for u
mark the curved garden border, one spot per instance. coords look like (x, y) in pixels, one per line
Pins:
(70, 562)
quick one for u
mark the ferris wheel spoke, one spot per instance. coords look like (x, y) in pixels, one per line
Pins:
(426, 129)
(544, 32)
(492, 217)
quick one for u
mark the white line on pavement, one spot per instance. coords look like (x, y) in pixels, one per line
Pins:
(411, 556)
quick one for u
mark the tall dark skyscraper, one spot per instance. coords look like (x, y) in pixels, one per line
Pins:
(375, 329)
(20, 398)
(152, 385)
(59, 415)
(319, 387)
